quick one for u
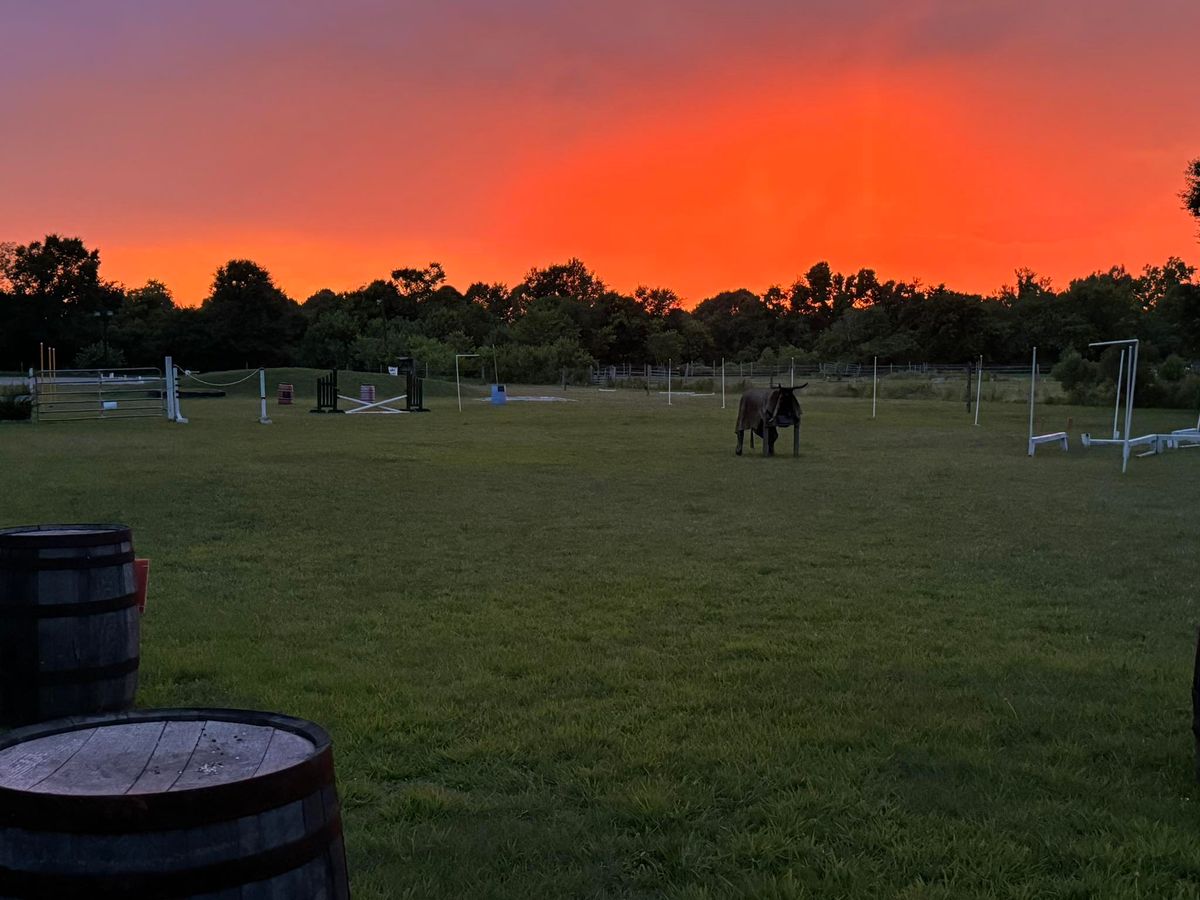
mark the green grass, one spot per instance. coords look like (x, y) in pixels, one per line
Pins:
(581, 650)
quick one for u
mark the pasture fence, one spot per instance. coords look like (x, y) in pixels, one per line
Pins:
(765, 373)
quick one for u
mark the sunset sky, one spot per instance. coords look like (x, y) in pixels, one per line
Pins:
(701, 145)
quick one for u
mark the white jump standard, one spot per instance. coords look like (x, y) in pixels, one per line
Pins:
(1056, 437)
(1127, 377)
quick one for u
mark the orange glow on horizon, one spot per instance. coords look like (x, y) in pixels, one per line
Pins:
(873, 145)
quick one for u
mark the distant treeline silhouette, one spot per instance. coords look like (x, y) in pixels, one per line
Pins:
(564, 317)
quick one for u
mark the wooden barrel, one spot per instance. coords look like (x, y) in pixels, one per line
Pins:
(286, 395)
(68, 622)
(366, 393)
(212, 803)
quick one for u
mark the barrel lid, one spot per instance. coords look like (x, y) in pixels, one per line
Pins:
(154, 752)
(39, 536)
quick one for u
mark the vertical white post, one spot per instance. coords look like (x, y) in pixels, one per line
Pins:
(874, 386)
(168, 389)
(1032, 389)
(668, 382)
(457, 388)
(1117, 406)
(171, 389)
(1133, 361)
(978, 389)
(723, 385)
(793, 370)
(176, 414)
(262, 397)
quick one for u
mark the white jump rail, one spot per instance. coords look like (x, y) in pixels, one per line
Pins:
(1056, 437)
(1158, 441)
(379, 406)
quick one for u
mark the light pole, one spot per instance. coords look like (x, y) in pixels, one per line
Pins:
(457, 388)
(382, 301)
(104, 315)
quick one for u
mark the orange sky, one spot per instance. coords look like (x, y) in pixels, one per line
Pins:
(699, 145)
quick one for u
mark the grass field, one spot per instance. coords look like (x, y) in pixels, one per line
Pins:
(581, 650)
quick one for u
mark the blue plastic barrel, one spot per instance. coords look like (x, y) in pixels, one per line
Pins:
(498, 395)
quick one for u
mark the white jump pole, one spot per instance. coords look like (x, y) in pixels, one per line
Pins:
(1032, 397)
(262, 397)
(723, 386)
(978, 389)
(1117, 406)
(874, 386)
(1133, 361)
(793, 371)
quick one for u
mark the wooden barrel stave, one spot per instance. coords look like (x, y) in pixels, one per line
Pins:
(250, 809)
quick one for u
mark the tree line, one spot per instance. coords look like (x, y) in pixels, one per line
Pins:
(564, 317)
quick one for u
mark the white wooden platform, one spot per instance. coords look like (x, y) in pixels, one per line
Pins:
(1057, 437)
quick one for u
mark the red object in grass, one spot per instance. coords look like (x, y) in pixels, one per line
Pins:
(141, 580)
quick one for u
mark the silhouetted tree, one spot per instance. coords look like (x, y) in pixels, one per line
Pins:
(140, 327)
(570, 279)
(415, 286)
(250, 321)
(53, 294)
(496, 299)
(658, 302)
(739, 322)
(1191, 191)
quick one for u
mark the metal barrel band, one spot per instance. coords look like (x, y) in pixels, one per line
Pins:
(83, 676)
(184, 882)
(65, 610)
(24, 563)
(39, 537)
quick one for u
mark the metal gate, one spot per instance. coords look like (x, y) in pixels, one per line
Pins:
(66, 395)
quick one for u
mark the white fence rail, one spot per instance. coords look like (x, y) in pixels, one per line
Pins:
(757, 371)
(66, 395)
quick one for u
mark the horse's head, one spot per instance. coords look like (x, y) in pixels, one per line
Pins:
(783, 407)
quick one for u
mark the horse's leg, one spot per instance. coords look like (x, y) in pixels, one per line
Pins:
(740, 434)
(766, 439)
(796, 438)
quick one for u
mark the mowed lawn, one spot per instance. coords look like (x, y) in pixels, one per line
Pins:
(581, 650)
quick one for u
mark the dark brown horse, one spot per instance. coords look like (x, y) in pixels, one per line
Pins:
(763, 411)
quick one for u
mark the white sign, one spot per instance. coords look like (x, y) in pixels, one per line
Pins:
(393, 370)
